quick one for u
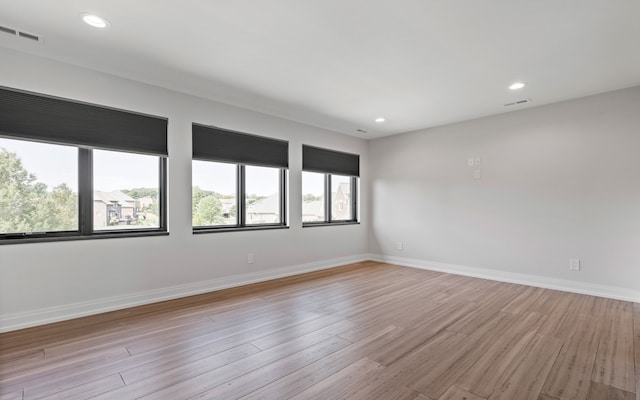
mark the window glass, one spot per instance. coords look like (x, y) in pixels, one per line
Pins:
(312, 197)
(263, 201)
(341, 198)
(38, 187)
(214, 194)
(125, 191)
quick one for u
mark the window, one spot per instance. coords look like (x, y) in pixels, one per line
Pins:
(238, 180)
(313, 205)
(329, 186)
(71, 170)
(262, 188)
(34, 196)
(214, 194)
(126, 190)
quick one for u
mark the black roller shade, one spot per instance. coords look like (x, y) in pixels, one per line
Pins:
(44, 118)
(217, 144)
(315, 159)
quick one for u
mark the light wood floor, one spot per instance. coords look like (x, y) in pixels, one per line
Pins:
(365, 331)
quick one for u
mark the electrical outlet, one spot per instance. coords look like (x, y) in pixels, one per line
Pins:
(470, 162)
(477, 174)
(476, 161)
(400, 246)
(250, 258)
(574, 264)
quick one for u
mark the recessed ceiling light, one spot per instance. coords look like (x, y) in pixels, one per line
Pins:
(95, 21)
(517, 85)
(379, 120)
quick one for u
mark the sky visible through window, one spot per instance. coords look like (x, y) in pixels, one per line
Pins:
(220, 178)
(55, 167)
(50, 167)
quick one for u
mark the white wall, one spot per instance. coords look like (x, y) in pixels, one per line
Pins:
(558, 182)
(41, 282)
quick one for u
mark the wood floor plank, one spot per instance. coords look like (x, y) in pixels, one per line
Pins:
(457, 393)
(341, 382)
(18, 358)
(636, 345)
(598, 391)
(570, 375)
(363, 331)
(221, 372)
(544, 304)
(184, 350)
(412, 338)
(399, 393)
(50, 373)
(524, 301)
(492, 302)
(332, 322)
(562, 320)
(17, 395)
(434, 378)
(84, 391)
(166, 339)
(151, 369)
(528, 373)
(231, 381)
(392, 392)
(308, 376)
(152, 366)
(485, 373)
(614, 364)
(593, 306)
(441, 349)
(253, 330)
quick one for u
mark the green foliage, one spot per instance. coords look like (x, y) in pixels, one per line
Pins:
(63, 208)
(208, 211)
(252, 198)
(138, 193)
(310, 197)
(27, 205)
(198, 194)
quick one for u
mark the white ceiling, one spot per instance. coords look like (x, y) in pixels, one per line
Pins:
(339, 64)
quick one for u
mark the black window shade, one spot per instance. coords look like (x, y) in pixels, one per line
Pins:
(315, 159)
(217, 144)
(50, 119)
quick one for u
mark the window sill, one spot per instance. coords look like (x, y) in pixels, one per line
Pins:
(314, 224)
(65, 238)
(198, 231)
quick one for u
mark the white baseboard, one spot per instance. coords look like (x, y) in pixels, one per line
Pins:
(564, 285)
(48, 315)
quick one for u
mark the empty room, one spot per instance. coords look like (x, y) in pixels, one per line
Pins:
(393, 200)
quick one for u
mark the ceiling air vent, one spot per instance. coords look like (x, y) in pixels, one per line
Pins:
(20, 34)
(361, 130)
(10, 31)
(29, 36)
(517, 103)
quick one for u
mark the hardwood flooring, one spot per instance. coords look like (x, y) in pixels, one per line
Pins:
(363, 331)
